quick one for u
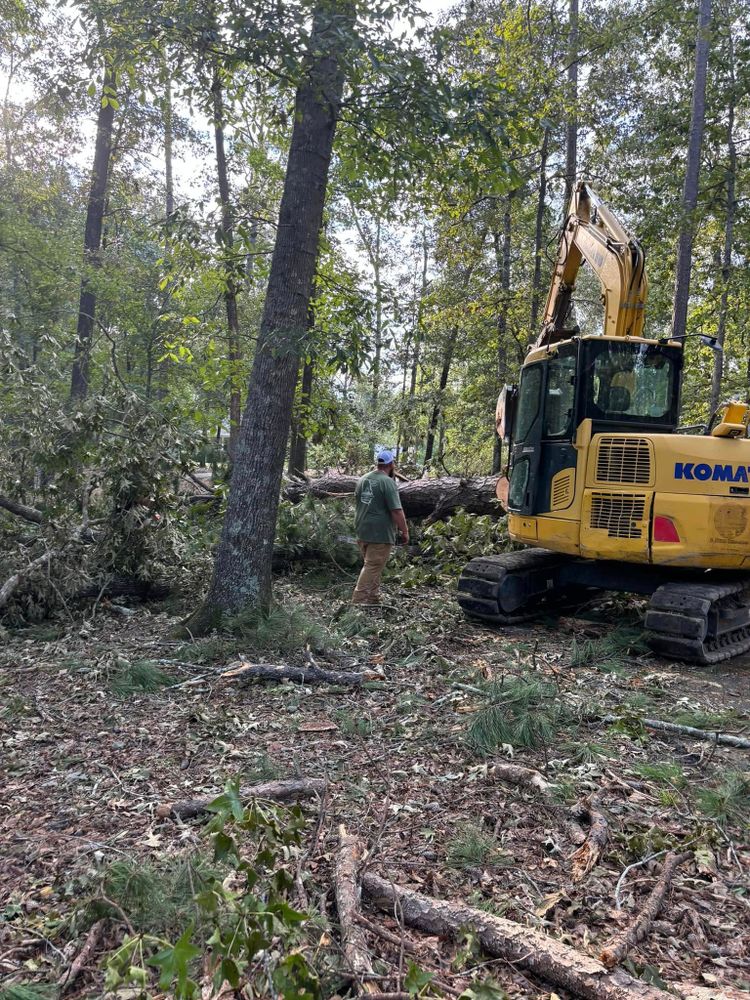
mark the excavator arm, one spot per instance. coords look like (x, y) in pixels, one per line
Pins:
(591, 233)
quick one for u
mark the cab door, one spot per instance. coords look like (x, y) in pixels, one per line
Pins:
(527, 439)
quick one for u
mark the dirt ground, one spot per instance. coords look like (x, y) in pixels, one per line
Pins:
(83, 770)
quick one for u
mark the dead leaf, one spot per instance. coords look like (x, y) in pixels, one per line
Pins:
(325, 726)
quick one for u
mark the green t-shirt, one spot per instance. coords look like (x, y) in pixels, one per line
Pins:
(376, 496)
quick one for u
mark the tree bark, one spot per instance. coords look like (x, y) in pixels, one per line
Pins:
(726, 261)
(504, 258)
(692, 173)
(345, 880)
(298, 436)
(419, 497)
(526, 947)
(226, 237)
(92, 240)
(571, 128)
(242, 569)
(300, 675)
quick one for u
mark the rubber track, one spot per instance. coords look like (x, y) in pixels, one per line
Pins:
(677, 622)
(480, 581)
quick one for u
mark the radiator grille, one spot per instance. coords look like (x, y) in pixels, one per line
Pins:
(562, 489)
(618, 514)
(623, 460)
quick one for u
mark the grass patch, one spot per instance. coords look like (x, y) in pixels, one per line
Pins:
(353, 725)
(31, 991)
(141, 677)
(157, 897)
(263, 768)
(609, 653)
(283, 629)
(519, 712)
(665, 773)
(471, 847)
(729, 802)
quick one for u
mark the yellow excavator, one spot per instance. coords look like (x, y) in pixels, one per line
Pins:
(601, 482)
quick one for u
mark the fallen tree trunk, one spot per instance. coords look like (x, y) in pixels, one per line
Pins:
(21, 510)
(619, 947)
(278, 791)
(300, 675)
(526, 947)
(433, 498)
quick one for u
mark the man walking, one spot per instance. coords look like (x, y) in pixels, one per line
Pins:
(379, 515)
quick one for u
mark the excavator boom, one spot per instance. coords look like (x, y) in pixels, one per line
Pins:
(591, 233)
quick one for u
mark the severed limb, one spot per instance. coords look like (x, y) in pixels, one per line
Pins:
(12, 584)
(345, 877)
(311, 674)
(525, 947)
(619, 946)
(90, 945)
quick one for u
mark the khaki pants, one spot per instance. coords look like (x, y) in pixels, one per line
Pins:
(375, 555)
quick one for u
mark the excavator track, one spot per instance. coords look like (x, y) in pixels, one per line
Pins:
(513, 587)
(700, 622)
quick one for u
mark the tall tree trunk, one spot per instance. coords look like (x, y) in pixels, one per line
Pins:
(726, 262)
(536, 281)
(571, 130)
(372, 249)
(242, 569)
(504, 255)
(92, 239)
(226, 236)
(690, 189)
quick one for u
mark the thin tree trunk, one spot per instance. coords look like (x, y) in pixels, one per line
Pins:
(226, 235)
(420, 313)
(692, 172)
(726, 263)
(571, 130)
(242, 569)
(168, 123)
(502, 316)
(372, 249)
(298, 437)
(437, 408)
(92, 239)
(536, 282)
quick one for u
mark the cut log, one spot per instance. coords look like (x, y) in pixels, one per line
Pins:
(525, 947)
(434, 498)
(126, 586)
(524, 777)
(300, 675)
(278, 791)
(619, 946)
(590, 851)
(353, 941)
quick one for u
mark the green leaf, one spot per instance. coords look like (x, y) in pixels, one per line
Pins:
(417, 979)
(173, 963)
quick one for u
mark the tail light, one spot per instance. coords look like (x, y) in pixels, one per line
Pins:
(664, 529)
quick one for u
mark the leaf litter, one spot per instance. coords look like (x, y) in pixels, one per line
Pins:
(102, 723)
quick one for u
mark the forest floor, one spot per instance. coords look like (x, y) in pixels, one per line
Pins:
(87, 756)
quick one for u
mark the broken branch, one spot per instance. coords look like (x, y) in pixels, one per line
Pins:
(587, 855)
(723, 739)
(620, 945)
(526, 947)
(90, 945)
(300, 675)
(277, 791)
(21, 510)
(12, 584)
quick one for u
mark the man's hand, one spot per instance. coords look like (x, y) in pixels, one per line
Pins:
(402, 527)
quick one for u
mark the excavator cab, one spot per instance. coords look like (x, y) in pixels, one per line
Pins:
(618, 385)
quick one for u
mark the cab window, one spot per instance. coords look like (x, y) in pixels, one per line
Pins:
(529, 402)
(560, 397)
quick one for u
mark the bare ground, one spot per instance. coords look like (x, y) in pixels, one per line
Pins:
(84, 770)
